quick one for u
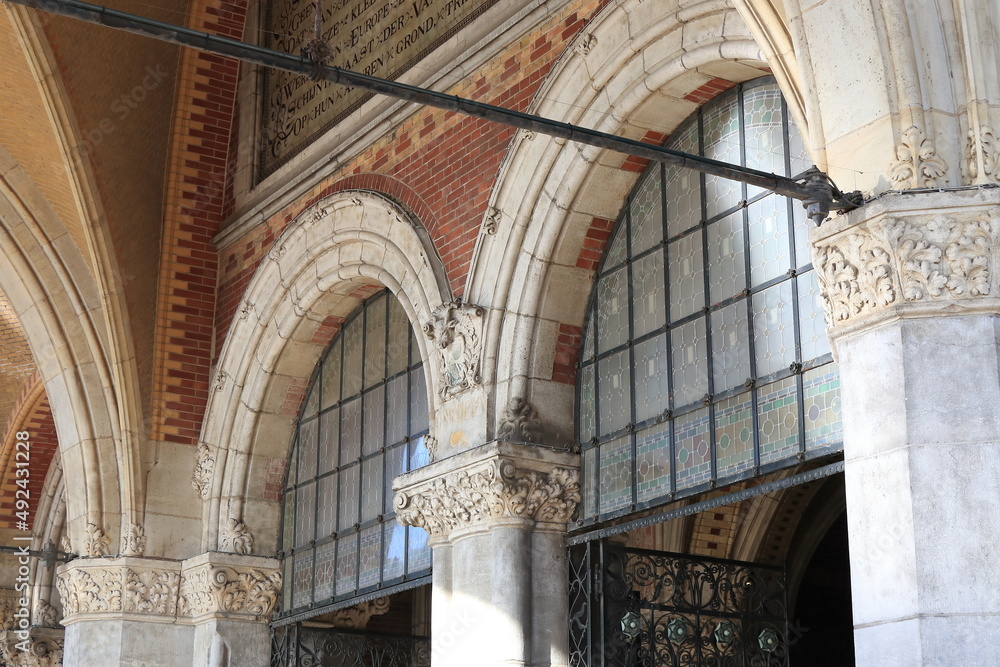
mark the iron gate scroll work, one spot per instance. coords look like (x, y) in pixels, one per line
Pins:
(298, 645)
(641, 608)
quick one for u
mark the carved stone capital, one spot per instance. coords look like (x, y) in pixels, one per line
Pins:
(118, 588)
(495, 483)
(216, 585)
(909, 255)
(43, 647)
(210, 586)
(456, 329)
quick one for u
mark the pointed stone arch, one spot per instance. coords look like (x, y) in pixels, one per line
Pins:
(308, 280)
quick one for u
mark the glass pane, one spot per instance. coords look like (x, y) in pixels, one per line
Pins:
(646, 213)
(734, 435)
(414, 348)
(588, 338)
(302, 579)
(326, 520)
(329, 440)
(350, 431)
(683, 185)
(722, 142)
(689, 352)
(778, 420)
(393, 550)
(293, 463)
(288, 524)
(687, 282)
(726, 261)
(648, 294)
(812, 325)
(399, 337)
(821, 406)
(311, 404)
(331, 376)
(325, 554)
(374, 418)
(691, 448)
(375, 351)
(371, 488)
(768, 239)
(798, 154)
(286, 576)
(371, 550)
(353, 343)
(730, 347)
(614, 389)
(652, 395)
(307, 449)
(801, 225)
(418, 402)
(394, 467)
(419, 551)
(616, 474)
(588, 490)
(419, 454)
(652, 462)
(348, 497)
(612, 311)
(774, 328)
(305, 519)
(587, 408)
(765, 149)
(347, 565)
(616, 248)
(395, 413)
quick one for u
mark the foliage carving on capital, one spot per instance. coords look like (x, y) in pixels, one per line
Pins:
(917, 164)
(201, 479)
(892, 260)
(229, 590)
(34, 652)
(498, 489)
(985, 147)
(116, 589)
(456, 330)
(96, 542)
(236, 538)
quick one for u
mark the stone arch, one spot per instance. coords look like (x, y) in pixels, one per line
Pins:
(638, 70)
(58, 304)
(311, 274)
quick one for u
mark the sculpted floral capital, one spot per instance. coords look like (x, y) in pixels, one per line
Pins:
(492, 488)
(895, 262)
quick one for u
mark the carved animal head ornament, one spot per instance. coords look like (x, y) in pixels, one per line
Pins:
(455, 328)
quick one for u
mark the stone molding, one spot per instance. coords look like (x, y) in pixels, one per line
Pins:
(491, 484)
(456, 330)
(209, 586)
(906, 256)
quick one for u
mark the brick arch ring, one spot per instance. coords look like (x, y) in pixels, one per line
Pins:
(314, 270)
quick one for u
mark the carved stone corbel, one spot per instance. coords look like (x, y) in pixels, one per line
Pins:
(519, 422)
(456, 329)
(96, 542)
(201, 479)
(917, 164)
(357, 617)
(236, 538)
(133, 540)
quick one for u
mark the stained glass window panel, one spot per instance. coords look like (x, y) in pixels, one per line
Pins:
(692, 448)
(648, 294)
(812, 326)
(614, 392)
(587, 426)
(730, 347)
(325, 567)
(821, 407)
(326, 519)
(652, 395)
(374, 420)
(347, 565)
(393, 550)
(687, 284)
(647, 213)
(616, 474)
(690, 360)
(734, 441)
(419, 556)
(330, 386)
(371, 548)
(778, 420)
(612, 322)
(774, 328)
(329, 440)
(375, 354)
(726, 261)
(652, 462)
(769, 250)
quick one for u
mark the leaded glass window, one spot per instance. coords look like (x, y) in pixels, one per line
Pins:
(704, 358)
(363, 422)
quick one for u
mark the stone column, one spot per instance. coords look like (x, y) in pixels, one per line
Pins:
(208, 610)
(911, 285)
(496, 516)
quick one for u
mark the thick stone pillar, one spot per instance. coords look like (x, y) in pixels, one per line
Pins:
(496, 517)
(209, 610)
(911, 285)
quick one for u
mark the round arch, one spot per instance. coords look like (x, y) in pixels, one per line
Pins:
(638, 70)
(324, 262)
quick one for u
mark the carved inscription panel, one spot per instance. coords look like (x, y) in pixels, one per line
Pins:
(382, 38)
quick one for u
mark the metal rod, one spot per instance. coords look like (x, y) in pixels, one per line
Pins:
(810, 191)
(712, 503)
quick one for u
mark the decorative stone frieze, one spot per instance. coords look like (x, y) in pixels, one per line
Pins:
(357, 617)
(905, 255)
(234, 588)
(118, 586)
(236, 537)
(519, 422)
(212, 585)
(456, 329)
(917, 164)
(498, 481)
(201, 479)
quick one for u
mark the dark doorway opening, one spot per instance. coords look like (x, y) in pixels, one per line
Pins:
(821, 631)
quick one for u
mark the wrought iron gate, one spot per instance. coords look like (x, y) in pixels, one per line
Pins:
(640, 608)
(298, 645)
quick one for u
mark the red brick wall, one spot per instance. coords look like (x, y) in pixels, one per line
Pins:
(43, 444)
